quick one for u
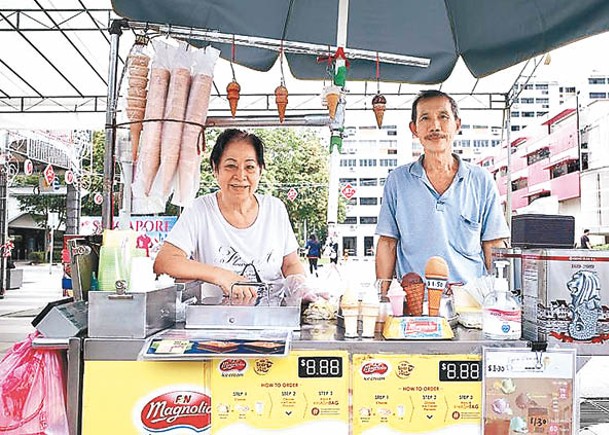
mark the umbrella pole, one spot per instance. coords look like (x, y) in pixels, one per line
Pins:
(508, 193)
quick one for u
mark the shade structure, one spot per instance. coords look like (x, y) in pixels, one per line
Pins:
(488, 35)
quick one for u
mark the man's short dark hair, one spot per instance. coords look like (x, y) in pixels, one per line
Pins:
(433, 93)
(586, 231)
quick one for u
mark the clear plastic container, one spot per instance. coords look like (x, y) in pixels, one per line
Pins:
(501, 312)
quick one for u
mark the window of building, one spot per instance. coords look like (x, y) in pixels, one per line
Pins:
(348, 162)
(465, 127)
(528, 87)
(352, 201)
(564, 168)
(542, 113)
(391, 163)
(351, 181)
(392, 133)
(520, 183)
(527, 100)
(542, 100)
(368, 220)
(392, 151)
(538, 155)
(367, 162)
(596, 80)
(480, 143)
(495, 142)
(515, 114)
(464, 143)
(368, 201)
(382, 181)
(368, 181)
(541, 86)
(350, 220)
(528, 114)
(515, 128)
(597, 95)
(540, 195)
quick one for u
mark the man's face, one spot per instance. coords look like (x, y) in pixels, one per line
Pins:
(435, 125)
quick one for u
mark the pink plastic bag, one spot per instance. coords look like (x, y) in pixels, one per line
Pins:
(32, 391)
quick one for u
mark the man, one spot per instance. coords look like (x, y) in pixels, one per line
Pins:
(439, 204)
(585, 240)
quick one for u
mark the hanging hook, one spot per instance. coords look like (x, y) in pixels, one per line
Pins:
(232, 61)
(281, 63)
(378, 73)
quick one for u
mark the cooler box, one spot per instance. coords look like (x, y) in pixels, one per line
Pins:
(565, 295)
(543, 231)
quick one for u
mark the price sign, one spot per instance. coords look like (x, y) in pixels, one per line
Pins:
(460, 371)
(49, 174)
(348, 191)
(292, 194)
(28, 167)
(320, 367)
(528, 392)
(98, 198)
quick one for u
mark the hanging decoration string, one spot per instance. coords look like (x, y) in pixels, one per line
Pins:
(232, 61)
(281, 63)
(378, 73)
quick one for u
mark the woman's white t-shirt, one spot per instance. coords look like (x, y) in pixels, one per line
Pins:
(205, 236)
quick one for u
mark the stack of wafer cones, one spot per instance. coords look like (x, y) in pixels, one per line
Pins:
(378, 105)
(232, 93)
(281, 100)
(136, 99)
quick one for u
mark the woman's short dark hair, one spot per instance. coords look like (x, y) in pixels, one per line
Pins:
(231, 135)
(433, 93)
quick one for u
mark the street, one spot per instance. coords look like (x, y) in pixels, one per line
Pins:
(21, 305)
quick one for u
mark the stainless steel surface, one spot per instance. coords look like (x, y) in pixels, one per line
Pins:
(50, 343)
(132, 315)
(75, 373)
(64, 321)
(84, 258)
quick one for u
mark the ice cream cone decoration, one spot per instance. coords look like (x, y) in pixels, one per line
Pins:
(281, 99)
(232, 93)
(378, 105)
(332, 96)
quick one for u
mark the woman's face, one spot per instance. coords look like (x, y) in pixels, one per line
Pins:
(238, 172)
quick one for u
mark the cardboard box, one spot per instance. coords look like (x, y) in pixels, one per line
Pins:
(565, 295)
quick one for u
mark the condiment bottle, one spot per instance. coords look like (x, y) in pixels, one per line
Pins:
(501, 315)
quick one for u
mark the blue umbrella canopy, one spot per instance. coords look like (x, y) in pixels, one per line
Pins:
(489, 35)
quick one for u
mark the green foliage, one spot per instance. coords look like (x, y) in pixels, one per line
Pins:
(92, 181)
(37, 256)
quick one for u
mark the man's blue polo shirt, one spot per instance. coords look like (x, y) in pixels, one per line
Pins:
(451, 225)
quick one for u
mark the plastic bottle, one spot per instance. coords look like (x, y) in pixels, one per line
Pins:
(94, 282)
(501, 315)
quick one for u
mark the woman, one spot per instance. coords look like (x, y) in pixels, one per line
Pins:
(313, 253)
(233, 235)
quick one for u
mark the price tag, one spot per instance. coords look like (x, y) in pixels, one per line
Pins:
(173, 346)
(528, 392)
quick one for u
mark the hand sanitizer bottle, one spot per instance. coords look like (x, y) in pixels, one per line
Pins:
(501, 314)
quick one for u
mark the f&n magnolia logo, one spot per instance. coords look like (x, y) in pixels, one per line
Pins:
(176, 409)
(374, 369)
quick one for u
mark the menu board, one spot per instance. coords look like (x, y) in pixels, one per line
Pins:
(529, 392)
(417, 394)
(305, 392)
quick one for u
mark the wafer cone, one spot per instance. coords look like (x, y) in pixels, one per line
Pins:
(433, 297)
(281, 100)
(415, 293)
(232, 93)
(135, 114)
(332, 100)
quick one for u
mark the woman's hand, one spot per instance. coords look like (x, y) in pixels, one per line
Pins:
(225, 280)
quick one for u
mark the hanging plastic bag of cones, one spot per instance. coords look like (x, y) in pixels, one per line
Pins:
(379, 101)
(138, 69)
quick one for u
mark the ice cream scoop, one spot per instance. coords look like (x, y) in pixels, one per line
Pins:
(396, 298)
(413, 285)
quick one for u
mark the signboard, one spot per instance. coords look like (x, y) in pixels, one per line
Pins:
(348, 191)
(529, 392)
(152, 230)
(306, 392)
(292, 194)
(98, 198)
(28, 167)
(417, 394)
(69, 177)
(49, 174)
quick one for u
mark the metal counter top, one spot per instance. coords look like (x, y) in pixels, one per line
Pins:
(325, 335)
